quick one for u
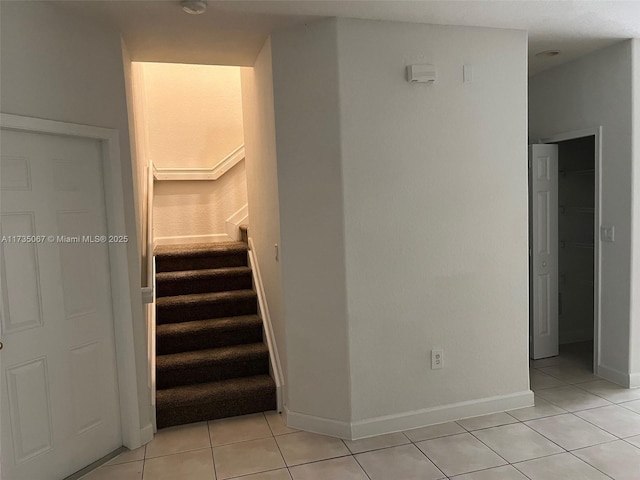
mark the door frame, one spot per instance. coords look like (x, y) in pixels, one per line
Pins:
(118, 263)
(596, 132)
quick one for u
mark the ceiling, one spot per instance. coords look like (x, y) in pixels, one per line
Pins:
(231, 32)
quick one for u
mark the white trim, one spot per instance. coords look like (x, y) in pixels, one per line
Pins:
(408, 420)
(201, 173)
(324, 426)
(616, 376)
(185, 239)
(634, 380)
(146, 433)
(119, 265)
(596, 132)
(446, 413)
(274, 356)
(233, 223)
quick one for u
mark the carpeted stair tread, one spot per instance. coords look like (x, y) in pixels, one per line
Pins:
(213, 400)
(209, 333)
(210, 357)
(201, 306)
(184, 282)
(215, 364)
(200, 255)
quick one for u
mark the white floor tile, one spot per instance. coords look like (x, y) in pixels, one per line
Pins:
(539, 380)
(516, 443)
(569, 373)
(376, 443)
(457, 454)
(500, 473)
(571, 398)
(304, 447)
(610, 391)
(570, 432)
(276, 422)
(541, 409)
(345, 468)
(634, 440)
(399, 463)
(197, 465)
(282, 474)
(434, 431)
(563, 466)
(635, 405)
(486, 421)
(238, 429)
(182, 438)
(617, 459)
(243, 458)
(614, 419)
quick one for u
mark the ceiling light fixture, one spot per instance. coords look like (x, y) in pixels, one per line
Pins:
(548, 53)
(193, 7)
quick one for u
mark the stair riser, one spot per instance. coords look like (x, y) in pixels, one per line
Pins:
(212, 372)
(204, 340)
(220, 283)
(203, 310)
(258, 402)
(174, 264)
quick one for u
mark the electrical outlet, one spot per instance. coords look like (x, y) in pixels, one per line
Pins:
(437, 359)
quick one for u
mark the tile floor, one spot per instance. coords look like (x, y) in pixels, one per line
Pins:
(582, 427)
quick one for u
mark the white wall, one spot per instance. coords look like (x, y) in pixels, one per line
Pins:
(307, 125)
(190, 116)
(435, 204)
(262, 184)
(596, 90)
(59, 67)
(417, 191)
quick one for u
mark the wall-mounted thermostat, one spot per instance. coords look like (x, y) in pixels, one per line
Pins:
(425, 73)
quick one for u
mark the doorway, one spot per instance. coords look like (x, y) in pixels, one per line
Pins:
(576, 245)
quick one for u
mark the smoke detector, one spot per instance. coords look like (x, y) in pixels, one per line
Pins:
(194, 7)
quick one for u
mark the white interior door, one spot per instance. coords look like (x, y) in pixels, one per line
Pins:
(543, 229)
(60, 403)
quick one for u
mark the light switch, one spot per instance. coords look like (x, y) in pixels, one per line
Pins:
(607, 233)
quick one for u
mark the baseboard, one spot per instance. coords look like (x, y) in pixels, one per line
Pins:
(186, 239)
(311, 423)
(446, 413)
(408, 420)
(616, 376)
(146, 434)
(233, 223)
(634, 380)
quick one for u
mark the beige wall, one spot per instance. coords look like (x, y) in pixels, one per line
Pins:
(262, 182)
(190, 116)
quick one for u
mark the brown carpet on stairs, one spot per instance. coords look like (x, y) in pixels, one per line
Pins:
(211, 361)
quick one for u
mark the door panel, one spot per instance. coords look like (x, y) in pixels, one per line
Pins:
(543, 271)
(59, 386)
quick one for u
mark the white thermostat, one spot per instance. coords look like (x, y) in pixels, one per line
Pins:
(425, 73)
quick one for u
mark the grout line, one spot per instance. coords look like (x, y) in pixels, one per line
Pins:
(592, 466)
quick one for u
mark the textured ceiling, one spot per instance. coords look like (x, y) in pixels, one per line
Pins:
(232, 32)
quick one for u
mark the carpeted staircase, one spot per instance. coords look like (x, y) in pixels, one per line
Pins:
(211, 361)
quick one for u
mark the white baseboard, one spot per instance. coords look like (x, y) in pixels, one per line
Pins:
(311, 423)
(186, 239)
(146, 434)
(616, 376)
(233, 223)
(445, 413)
(408, 420)
(634, 380)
